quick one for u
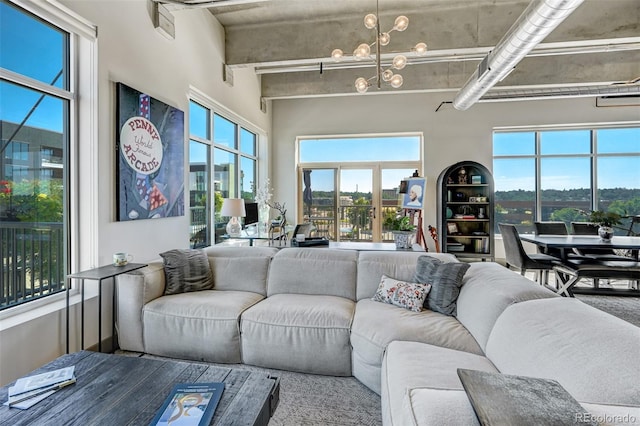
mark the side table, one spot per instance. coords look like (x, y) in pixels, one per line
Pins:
(98, 274)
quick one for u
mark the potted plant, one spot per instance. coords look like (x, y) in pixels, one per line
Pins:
(402, 230)
(605, 221)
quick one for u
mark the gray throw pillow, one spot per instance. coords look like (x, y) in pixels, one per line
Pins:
(445, 279)
(186, 270)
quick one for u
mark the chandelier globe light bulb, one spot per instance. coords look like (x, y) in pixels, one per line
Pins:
(399, 62)
(337, 54)
(396, 81)
(384, 38)
(387, 75)
(370, 21)
(361, 85)
(401, 23)
(362, 51)
(421, 48)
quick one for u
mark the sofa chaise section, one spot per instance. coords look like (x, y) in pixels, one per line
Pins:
(304, 324)
(555, 338)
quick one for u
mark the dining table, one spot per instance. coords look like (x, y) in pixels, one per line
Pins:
(571, 270)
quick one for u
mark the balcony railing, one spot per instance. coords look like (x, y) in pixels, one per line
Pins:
(354, 223)
(32, 256)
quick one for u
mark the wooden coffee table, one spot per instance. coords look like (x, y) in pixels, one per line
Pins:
(124, 390)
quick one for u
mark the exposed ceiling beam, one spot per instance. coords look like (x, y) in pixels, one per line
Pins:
(454, 55)
(205, 4)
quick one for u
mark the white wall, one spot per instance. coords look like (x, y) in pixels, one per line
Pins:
(131, 51)
(450, 135)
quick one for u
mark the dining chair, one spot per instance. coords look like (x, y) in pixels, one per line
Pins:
(550, 228)
(517, 257)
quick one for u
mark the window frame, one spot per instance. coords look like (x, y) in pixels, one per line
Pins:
(214, 108)
(80, 160)
(593, 155)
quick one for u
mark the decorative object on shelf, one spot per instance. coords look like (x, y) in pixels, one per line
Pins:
(414, 198)
(363, 52)
(476, 179)
(462, 176)
(460, 197)
(605, 221)
(452, 228)
(481, 213)
(234, 208)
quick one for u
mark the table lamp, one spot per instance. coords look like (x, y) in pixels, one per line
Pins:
(234, 208)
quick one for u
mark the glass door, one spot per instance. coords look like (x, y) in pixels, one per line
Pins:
(367, 195)
(357, 205)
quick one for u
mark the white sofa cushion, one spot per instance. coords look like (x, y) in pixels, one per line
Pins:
(372, 265)
(436, 407)
(299, 332)
(240, 268)
(314, 271)
(203, 325)
(488, 289)
(375, 325)
(569, 341)
(410, 365)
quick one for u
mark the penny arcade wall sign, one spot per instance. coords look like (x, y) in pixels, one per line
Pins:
(150, 149)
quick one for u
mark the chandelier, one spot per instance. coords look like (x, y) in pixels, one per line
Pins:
(363, 52)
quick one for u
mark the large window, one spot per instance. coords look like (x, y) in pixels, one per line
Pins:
(349, 185)
(561, 174)
(223, 164)
(36, 94)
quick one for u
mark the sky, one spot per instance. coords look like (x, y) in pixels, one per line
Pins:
(34, 49)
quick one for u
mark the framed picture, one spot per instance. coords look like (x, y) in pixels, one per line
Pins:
(414, 197)
(150, 165)
(452, 228)
(476, 179)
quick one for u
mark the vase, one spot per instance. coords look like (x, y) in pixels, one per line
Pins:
(263, 218)
(605, 233)
(403, 239)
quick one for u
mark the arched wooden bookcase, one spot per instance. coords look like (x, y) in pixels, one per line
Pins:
(465, 211)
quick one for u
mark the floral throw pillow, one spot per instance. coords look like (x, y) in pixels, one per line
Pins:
(399, 293)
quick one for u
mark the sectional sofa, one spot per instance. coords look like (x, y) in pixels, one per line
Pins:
(311, 310)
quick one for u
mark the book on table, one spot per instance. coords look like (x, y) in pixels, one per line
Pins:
(190, 404)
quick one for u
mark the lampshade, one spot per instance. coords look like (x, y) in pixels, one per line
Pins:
(233, 207)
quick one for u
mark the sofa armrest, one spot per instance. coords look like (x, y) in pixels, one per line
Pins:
(134, 290)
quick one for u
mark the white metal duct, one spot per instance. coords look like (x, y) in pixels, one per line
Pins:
(536, 22)
(561, 92)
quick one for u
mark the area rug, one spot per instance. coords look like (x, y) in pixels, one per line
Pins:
(314, 400)
(626, 308)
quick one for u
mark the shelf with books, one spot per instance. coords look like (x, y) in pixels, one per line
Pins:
(465, 210)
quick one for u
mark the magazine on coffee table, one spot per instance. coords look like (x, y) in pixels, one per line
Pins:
(30, 390)
(190, 404)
